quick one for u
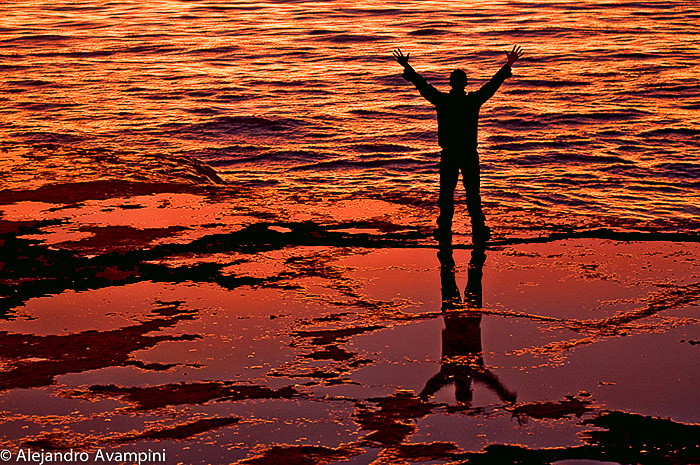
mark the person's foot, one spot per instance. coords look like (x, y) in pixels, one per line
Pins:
(481, 234)
(443, 237)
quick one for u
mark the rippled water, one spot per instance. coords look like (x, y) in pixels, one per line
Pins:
(598, 127)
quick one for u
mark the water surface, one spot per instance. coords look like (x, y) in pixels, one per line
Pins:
(598, 127)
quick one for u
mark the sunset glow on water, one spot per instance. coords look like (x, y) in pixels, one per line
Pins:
(216, 225)
(599, 122)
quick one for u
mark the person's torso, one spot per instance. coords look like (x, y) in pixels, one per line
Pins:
(458, 119)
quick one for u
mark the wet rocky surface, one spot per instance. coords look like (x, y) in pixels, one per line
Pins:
(198, 319)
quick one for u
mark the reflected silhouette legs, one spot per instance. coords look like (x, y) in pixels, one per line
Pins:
(462, 355)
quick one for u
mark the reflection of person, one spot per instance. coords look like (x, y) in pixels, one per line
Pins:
(462, 355)
(458, 116)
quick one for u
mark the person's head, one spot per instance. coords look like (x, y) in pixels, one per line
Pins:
(458, 79)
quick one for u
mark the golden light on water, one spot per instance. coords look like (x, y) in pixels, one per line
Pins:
(217, 217)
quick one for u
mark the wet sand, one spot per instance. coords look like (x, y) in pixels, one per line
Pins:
(228, 328)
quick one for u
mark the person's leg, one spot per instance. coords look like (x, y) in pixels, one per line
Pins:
(449, 174)
(472, 181)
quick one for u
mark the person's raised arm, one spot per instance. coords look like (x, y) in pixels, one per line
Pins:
(428, 92)
(490, 88)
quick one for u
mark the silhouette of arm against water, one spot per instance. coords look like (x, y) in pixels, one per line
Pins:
(462, 353)
(428, 92)
(489, 89)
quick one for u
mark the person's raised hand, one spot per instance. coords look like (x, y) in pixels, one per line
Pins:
(401, 58)
(514, 55)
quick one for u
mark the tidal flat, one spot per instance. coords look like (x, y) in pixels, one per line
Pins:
(177, 317)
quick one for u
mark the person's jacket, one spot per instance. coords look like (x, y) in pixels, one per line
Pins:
(457, 112)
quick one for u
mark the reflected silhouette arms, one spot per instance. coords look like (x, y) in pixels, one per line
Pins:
(462, 360)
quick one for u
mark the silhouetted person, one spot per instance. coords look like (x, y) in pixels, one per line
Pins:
(462, 354)
(458, 117)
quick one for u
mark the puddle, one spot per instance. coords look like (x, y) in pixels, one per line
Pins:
(364, 354)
